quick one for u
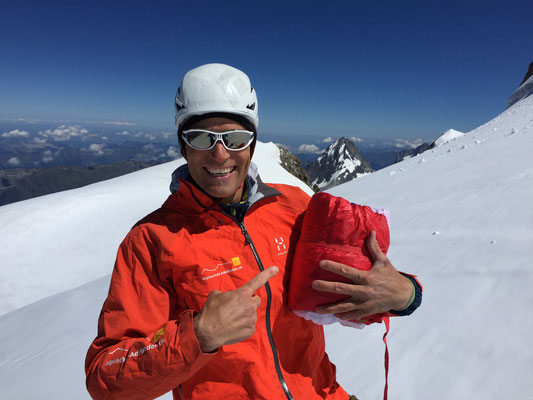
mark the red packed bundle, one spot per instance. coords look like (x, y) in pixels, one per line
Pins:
(333, 229)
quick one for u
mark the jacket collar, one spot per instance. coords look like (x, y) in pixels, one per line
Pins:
(182, 186)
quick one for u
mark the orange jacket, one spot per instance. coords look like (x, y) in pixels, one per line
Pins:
(165, 269)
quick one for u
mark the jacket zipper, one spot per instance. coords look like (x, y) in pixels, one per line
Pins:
(267, 315)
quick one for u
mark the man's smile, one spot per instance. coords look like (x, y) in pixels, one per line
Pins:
(220, 172)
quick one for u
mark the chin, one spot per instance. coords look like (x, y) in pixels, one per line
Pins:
(221, 194)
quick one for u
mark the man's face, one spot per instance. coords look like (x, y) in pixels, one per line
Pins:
(218, 171)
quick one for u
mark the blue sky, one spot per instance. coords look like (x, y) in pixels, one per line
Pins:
(391, 69)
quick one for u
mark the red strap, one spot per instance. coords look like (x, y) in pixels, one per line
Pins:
(387, 326)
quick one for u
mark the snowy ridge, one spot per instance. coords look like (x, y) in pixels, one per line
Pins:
(450, 134)
(460, 219)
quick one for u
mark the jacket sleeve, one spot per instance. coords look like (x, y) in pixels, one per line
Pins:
(140, 351)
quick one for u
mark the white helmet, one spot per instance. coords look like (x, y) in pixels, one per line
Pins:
(216, 88)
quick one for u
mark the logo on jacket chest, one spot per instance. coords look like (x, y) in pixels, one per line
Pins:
(222, 269)
(280, 245)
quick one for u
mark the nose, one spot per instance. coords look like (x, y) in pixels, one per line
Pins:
(219, 153)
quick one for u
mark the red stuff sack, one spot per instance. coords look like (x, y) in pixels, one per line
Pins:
(333, 229)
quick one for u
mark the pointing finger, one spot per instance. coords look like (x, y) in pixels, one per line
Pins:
(259, 280)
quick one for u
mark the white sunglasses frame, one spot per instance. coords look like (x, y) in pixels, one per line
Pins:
(218, 137)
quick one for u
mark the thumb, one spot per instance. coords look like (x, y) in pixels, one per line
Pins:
(374, 249)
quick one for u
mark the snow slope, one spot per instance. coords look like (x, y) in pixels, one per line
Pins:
(460, 218)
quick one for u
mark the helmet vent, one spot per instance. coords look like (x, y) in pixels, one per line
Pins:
(251, 107)
(179, 105)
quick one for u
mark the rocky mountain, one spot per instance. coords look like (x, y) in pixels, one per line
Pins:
(340, 162)
(408, 153)
(292, 164)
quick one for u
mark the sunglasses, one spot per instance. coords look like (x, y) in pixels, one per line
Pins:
(201, 139)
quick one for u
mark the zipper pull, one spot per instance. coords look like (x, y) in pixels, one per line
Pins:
(245, 233)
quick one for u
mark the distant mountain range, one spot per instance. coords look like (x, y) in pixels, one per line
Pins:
(22, 184)
(31, 168)
(63, 166)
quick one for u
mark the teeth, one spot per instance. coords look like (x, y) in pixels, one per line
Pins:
(220, 172)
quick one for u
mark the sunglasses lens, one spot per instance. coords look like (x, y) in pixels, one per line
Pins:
(199, 139)
(237, 140)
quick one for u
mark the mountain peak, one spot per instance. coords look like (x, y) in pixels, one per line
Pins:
(339, 163)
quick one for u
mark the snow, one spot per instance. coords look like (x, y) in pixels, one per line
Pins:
(461, 220)
(450, 134)
(347, 166)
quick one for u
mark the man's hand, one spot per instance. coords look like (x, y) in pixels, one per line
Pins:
(378, 290)
(230, 317)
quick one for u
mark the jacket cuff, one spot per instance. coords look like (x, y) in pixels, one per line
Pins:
(189, 345)
(416, 300)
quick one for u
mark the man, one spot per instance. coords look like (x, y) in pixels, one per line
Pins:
(197, 301)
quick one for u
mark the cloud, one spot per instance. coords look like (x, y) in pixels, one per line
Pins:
(124, 133)
(63, 133)
(39, 140)
(403, 143)
(356, 139)
(15, 133)
(14, 162)
(47, 159)
(97, 149)
(29, 121)
(47, 156)
(118, 123)
(327, 140)
(308, 148)
(173, 152)
(121, 123)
